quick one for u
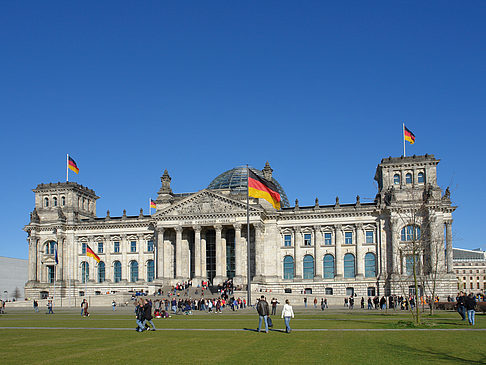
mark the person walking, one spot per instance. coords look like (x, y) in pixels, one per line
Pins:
(49, 307)
(36, 306)
(305, 302)
(461, 305)
(262, 309)
(147, 314)
(287, 314)
(470, 303)
(139, 316)
(113, 305)
(85, 309)
(274, 303)
(315, 303)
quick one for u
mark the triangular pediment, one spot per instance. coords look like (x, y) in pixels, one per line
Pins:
(205, 202)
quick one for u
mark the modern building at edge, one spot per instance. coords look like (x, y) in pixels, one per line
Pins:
(361, 248)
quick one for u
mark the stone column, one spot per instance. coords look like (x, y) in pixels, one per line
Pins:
(32, 258)
(339, 251)
(60, 258)
(449, 246)
(259, 251)
(124, 260)
(297, 253)
(178, 253)
(244, 256)
(160, 253)
(317, 253)
(197, 253)
(223, 255)
(394, 246)
(238, 252)
(204, 272)
(219, 256)
(359, 251)
(108, 265)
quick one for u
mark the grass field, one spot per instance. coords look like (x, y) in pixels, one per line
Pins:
(336, 336)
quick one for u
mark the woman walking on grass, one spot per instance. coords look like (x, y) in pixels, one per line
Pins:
(287, 313)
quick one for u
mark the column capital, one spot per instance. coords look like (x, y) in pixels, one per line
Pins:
(259, 226)
(197, 228)
(448, 221)
(218, 227)
(359, 225)
(338, 227)
(237, 226)
(178, 229)
(297, 229)
(317, 228)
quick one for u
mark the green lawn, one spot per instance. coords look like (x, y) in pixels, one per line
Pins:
(234, 344)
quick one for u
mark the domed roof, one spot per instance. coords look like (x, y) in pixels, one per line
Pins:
(236, 180)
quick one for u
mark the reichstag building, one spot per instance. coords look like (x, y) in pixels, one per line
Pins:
(336, 249)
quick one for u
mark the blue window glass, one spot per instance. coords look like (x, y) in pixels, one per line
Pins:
(420, 178)
(101, 272)
(150, 271)
(84, 272)
(288, 240)
(288, 266)
(408, 178)
(46, 202)
(349, 271)
(117, 271)
(100, 247)
(370, 237)
(396, 179)
(307, 239)
(348, 238)
(328, 266)
(150, 246)
(54, 200)
(133, 246)
(409, 264)
(116, 246)
(328, 238)
(134, 271)
(63, 200)
(370, 265)
(51, 274)
(308, 267)
(83, 248)
(50, 248)
(410, 233)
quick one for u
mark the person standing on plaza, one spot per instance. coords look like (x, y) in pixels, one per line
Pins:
(315, 303)
(85, 309)
(461, 305)
(305, 302)
(262, 309)
(274, 303)
(470, 303)
(113, 305)
(49, 307)
(287, 314)
(36, 306)
(147, 313)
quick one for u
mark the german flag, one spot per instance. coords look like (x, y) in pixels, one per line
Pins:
(89, 252)
(408, 135)
(261, 188)
(72, 165)
(152, 204)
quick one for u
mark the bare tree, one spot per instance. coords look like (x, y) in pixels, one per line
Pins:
(16, 293)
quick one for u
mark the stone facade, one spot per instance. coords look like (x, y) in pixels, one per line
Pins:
(470, 269)
(338, 249)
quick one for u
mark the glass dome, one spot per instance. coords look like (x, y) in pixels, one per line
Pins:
(235, 180)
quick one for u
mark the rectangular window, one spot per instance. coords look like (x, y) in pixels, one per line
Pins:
(50, 274)
(287, 240)
(307, 239)
(83, 248)
(100, 247)
(116, 246)
(328, 238)
(328, 291)
(370, 237)
(150, 246)
(348, 238)
(371, 291)
(133, 246)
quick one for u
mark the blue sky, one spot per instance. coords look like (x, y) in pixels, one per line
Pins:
(318, 89)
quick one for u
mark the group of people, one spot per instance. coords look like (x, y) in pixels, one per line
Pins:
(263, 310)
(466, 306)
(84, 308)
(2, 306)
(143, 314)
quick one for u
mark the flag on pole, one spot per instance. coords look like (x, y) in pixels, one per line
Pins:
(72, 165)
(152, 204)
(408, 135)
(90, 252)
(55, 254)
(262, 188)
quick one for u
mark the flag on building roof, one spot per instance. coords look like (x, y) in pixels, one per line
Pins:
(408, 135)
(262, 188)
(72, 165)
(152, 204)
(90, 252)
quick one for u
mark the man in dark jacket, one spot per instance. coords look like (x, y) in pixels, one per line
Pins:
(470, 302)
(262, 309)
(147, 313)
(461, 305)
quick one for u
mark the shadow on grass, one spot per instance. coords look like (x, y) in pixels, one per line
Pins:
(270, 330)
(437, 356)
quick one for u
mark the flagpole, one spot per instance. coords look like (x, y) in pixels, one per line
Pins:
(150, 207)
(248, 266)
(67, 167)
(403, 137)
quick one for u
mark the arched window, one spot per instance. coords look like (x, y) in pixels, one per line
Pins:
(396, 179)
(370, 265)
(84, 272)
(349, 271)
(420, 178)
(63, 201)
(288, 267)
(150, 271)
(101, 272)
(308, 267)
(408, 178)
(54, 201)
(46, 202)
(50, 248)
(328, 266)
(410, 233)
(133, 271)
(117, 272)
